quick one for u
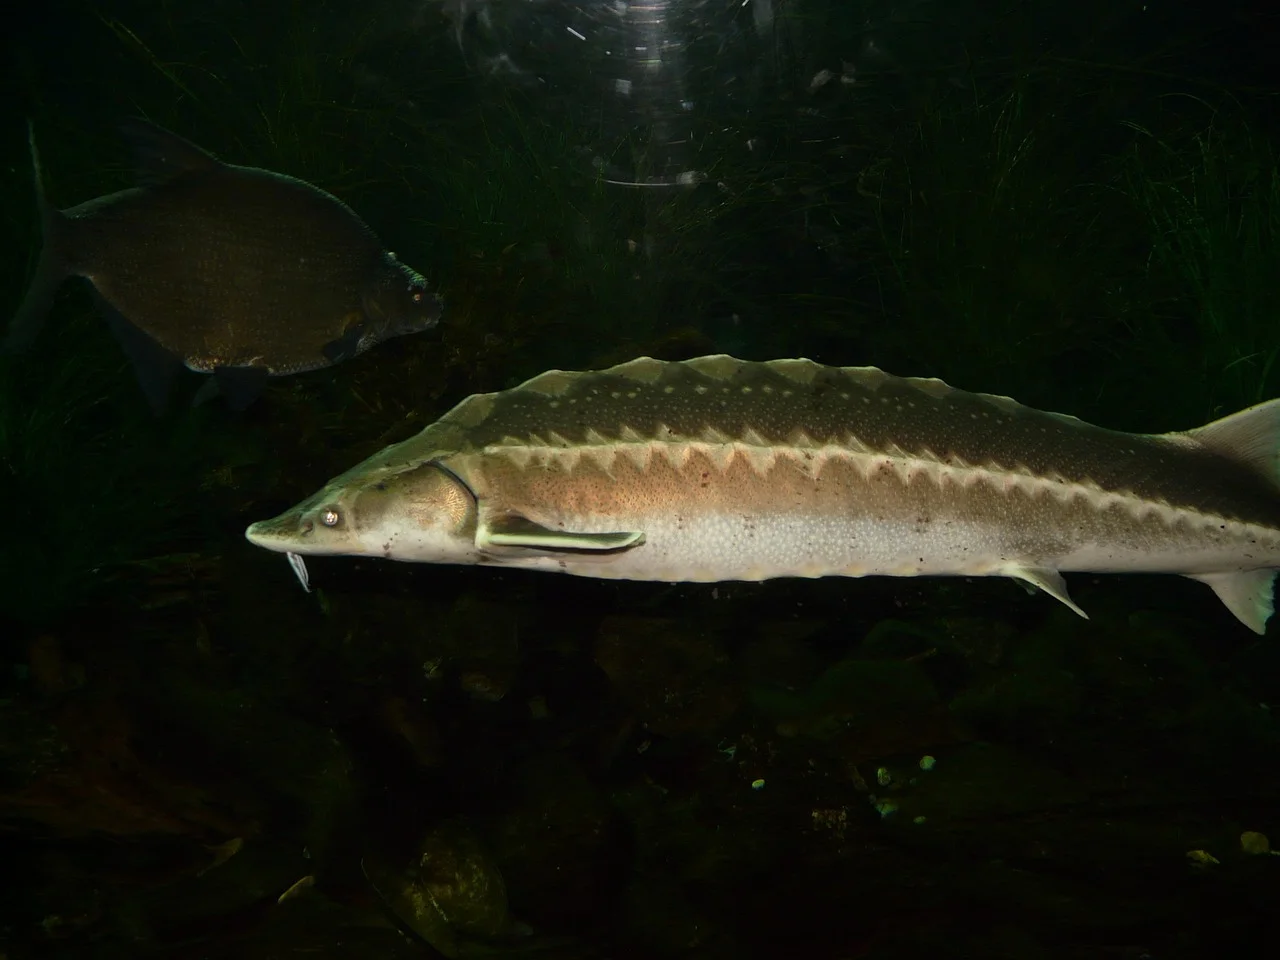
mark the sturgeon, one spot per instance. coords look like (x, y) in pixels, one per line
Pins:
(719, 469)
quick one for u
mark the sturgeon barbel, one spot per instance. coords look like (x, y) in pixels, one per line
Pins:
(720, 469)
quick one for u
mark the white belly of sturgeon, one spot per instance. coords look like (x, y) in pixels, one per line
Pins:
(734, 547)
(859, 516)
(729, 547)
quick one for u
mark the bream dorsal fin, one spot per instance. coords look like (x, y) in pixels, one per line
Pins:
(161, 157)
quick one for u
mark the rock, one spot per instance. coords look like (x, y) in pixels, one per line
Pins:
(673, 674)
(451, 894)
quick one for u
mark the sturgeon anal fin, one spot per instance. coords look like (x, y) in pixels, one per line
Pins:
(516, 531)
(1249, 594)
(154, 366)
(1048, 580)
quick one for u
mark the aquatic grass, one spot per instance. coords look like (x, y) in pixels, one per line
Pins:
(532, 220)
(493, 189)
(461, 171)
(524, 232)
(288, 101)
(94, 485)
(1003, 244)
(1211, 202)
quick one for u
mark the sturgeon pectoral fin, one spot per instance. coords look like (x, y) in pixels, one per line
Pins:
(1249, 595)
(516, 531)
(1048, 580)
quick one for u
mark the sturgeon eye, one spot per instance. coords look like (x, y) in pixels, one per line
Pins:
(330, 517)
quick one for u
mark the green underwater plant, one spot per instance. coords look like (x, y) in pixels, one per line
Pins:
(95, 487)
(1211, 202)
(1000, 237)
(290, 101)
(496, 191)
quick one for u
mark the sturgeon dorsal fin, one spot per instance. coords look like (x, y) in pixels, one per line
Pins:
(1247, 594)
(160, 156)
(517, 531)
(1250, 437)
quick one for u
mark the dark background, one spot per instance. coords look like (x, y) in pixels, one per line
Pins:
(1075, 204)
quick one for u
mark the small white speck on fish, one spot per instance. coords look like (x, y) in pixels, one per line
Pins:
(300, 570)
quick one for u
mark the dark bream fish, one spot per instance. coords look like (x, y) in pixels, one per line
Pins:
(235, 271)
(720, 469)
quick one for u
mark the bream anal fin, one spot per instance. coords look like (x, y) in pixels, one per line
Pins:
(154, 365)
(241, 386)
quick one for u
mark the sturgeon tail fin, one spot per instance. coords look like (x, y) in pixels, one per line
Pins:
(1251, 438)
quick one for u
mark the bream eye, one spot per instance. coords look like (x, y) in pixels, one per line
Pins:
(329, 518)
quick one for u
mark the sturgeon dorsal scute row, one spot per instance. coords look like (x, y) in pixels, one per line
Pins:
(798, 404)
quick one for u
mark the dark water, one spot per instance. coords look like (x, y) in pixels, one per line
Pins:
(1073, 203)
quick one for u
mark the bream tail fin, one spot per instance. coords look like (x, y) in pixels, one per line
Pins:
(50, 268)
